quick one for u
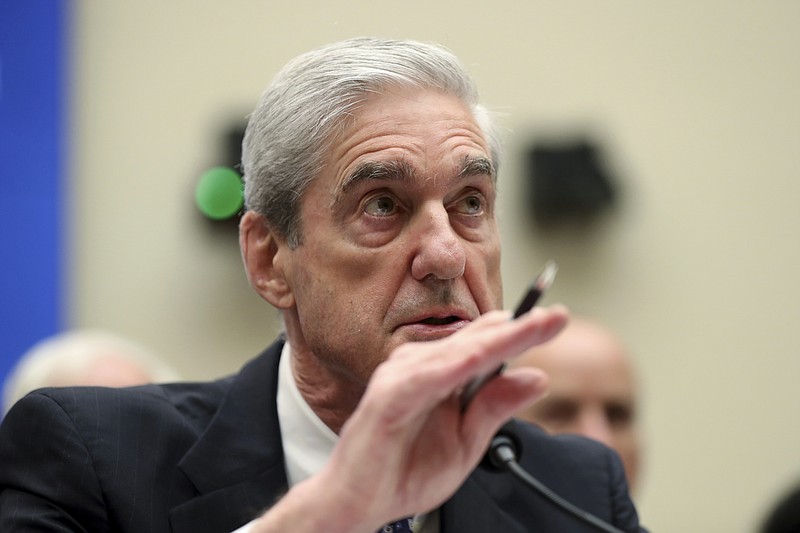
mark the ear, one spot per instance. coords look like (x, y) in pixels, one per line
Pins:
(261, 248)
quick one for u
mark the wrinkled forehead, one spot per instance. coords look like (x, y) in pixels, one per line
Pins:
(397, 133)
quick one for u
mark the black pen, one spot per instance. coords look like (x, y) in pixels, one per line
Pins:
(537, 288)
(542, 282)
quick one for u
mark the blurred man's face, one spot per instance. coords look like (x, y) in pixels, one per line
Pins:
(592, 390)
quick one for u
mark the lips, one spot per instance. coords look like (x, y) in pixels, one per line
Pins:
(434, 324)
(439, 316)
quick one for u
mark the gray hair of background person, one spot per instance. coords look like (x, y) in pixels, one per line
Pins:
(308, 101)
(61, 360)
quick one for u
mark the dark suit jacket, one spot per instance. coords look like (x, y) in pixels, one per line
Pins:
(197, 457)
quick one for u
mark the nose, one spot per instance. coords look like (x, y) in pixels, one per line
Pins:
(440, 251)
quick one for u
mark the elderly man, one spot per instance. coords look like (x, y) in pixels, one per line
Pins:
(370, 184)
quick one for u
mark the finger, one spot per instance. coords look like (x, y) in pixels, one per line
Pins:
(509, 392)
(497, 402)
(540, 325)
(482, 351)
(423, 374)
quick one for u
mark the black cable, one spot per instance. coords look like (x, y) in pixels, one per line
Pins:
(502, 454)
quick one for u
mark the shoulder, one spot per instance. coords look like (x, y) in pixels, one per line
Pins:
(572, 464)
(551, 454)
(105, 453)
(187, 400)
(183, 408)
(585, 472)
(175, 410)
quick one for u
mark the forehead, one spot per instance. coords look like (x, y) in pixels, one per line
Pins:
(427, 131)
(585, 362)
(589, 377)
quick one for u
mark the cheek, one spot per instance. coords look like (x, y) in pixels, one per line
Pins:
(345, 293)
(362, 269)
(624, 435)
(335, 273)
(630, 460)
(496, 282)
(486, 282)
(335, 325)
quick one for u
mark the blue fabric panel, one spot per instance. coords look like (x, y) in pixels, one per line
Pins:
(34, 56)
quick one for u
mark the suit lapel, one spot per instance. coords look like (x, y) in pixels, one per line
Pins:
(473, 510)
(237, 463)
(238, 470)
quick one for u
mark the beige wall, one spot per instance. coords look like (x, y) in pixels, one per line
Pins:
(696, 104)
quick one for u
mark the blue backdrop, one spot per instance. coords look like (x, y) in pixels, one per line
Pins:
(34, 53)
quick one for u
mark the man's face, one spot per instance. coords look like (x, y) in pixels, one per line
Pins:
(592, 390)
(400, 241)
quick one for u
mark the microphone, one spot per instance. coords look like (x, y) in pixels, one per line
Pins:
(502, 455)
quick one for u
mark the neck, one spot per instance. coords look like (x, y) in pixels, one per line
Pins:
(331, 394)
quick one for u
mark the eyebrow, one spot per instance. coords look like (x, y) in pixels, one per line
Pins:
(376, 171)
(477, 166)
(399, 170)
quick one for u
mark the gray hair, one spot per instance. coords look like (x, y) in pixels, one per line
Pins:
(290, 130)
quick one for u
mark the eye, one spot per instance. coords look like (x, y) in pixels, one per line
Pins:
(619, 414)
(381, 206)
(472, 204)
(559, 413)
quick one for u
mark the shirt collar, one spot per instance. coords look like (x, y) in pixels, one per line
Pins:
(307, 441)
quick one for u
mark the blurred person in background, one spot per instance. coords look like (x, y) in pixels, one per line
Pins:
(84, 358)
(593, 389)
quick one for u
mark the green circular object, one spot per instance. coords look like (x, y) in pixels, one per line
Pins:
(219, 194)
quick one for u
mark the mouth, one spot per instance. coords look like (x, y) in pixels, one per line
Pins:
(435, 325)
(424, 317)
(440, 321)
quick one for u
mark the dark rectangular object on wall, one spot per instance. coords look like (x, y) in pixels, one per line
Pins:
(567, 181)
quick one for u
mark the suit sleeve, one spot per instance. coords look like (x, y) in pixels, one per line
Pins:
(47, 478)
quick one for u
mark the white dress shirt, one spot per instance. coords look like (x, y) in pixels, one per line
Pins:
(308, 442)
